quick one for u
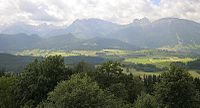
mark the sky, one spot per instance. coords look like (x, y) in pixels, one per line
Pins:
(64, 12)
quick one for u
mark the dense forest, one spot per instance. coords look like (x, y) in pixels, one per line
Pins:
(50, 83)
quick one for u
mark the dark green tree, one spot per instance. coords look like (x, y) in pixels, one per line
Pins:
(149, 82)
(111, 73)
(83, 67)
(196, 82)
(38, 79)
(2, 72)
(119, 90)
(176, 89)
(6, 94)
(81, 92)
(145, 101)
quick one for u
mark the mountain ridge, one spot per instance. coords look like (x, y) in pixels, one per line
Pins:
(141, 33)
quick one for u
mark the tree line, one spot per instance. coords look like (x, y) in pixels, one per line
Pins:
(49, 83)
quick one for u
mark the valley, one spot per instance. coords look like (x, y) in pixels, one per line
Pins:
(137, 62)
(142, 46)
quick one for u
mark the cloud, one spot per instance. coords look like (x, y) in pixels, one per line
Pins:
(64, 12)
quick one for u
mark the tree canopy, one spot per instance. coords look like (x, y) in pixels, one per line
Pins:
(81, 92)
(176, 89)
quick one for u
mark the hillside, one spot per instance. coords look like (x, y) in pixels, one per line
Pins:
(18, 42)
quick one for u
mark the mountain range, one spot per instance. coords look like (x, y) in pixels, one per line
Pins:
(98, 34)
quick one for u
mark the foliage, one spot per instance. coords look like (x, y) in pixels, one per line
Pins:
(149, 82)
(81, 92)
(38, 79)
(6, 94)
(119, 90)
(83, 67)
(110, 73)
(196, 82)
(145, 101)
(176, 89)
(49, 83)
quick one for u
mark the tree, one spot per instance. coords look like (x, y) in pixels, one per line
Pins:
(2, 72)
(145, 101)
(196, 82)
(111, 68)
(110, 73)
(176, 89)
(38, 79)
(119, 90)
(6, 94)
(81, 92)
(83, 67)
(149, 82)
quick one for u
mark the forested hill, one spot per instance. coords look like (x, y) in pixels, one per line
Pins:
(13, 63)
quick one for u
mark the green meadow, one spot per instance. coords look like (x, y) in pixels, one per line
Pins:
(159, 58)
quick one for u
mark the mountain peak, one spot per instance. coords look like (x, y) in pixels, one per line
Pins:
(90, 21)
(142, 21)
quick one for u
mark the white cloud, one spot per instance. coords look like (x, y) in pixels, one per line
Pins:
(62, 12)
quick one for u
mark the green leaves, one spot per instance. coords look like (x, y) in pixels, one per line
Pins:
(6, 93)
(145, 101)
(39, 78)
(176, 89)
(80, 92)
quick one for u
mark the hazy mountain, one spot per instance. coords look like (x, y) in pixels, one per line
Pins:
(104, 43)
(143, 21)
(92, 33)
(89, 28)
(163, 32)
(17, 42)
(67, 41)
(85, 28)
(43, 30)
(70, 42)
(9, 43)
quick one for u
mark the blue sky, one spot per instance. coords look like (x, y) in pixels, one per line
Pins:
(156, 2)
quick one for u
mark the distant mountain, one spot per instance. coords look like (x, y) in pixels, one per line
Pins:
(90, 28)
(85, 28)
(17, 42)
(67, 41)
(163, 32)
(71, 42)
(97, 33)
(143, 21)
(43, 30)
(104, 43)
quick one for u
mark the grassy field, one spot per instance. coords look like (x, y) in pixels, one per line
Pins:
(159, 62)
(43, 53)
(159, 58)
(193, 73)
